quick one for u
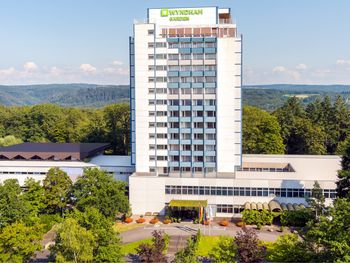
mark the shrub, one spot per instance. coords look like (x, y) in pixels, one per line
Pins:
(140, 220)
(154, 220)
(296, 218)
(255, 217)
(128, 220)
(156, 251)
(167, 221)
(224, 222)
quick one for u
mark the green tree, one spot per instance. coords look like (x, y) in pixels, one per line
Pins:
(9, 140)
(189, 253)
(73, 243)
(18, 242)
(13, 206)
(288, 248)
(224, 251)
(34, 195)
(57, 185)
(107, 242)
(317, 200)
(343, 183)
(329, 237)
(96, 188)
(261, 132)
(117, 118)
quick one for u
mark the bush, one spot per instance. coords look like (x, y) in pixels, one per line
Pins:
(224, 222)
(167, 221)
(128, 220)
(154, 220)
(140, 220)
(296, 218)
(255, 217)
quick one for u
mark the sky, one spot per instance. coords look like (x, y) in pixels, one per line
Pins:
(86, 41)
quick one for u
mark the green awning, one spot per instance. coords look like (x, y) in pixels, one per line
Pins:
(188, 203)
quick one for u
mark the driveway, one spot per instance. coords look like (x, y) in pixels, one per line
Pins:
(187, 229)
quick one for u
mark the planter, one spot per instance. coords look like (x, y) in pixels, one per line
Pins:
(128, 220)
(240, 224)
(140, 220)
(167, 221)
(154, 221)
(206, 223)
(224, 223)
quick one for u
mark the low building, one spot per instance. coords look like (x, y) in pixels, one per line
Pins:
(287, 179)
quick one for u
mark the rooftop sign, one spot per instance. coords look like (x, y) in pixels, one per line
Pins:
(183, 16)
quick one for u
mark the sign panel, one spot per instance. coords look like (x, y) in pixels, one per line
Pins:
(183, 16)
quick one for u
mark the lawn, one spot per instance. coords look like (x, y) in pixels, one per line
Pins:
(131, 247)
(206, 244)
(122, 227)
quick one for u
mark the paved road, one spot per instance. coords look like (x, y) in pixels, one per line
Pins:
(184, 229)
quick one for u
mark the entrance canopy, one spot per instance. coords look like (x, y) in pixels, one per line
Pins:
(188, 203)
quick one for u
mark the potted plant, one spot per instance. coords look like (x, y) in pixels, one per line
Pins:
(206, 222)
(154, 220)
(166, 221)
(224, 222)
(141, 220)
(240, 224)
(128, 220)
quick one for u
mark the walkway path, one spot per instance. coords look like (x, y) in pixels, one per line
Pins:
(186, 230)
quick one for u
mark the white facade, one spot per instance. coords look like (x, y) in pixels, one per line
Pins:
(227, 196)
(185, 66)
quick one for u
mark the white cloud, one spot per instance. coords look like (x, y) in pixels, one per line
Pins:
(301, 66)
(117, 63)
(30, 66)
(88, 68)
(343, 62)
(55, 71)
(279, 69)
(7, 72)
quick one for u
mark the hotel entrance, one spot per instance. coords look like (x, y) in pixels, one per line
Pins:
(188, 210)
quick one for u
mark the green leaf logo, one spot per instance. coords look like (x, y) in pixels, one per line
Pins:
(164, 12)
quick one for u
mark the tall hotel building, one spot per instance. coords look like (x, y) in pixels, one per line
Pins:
(186, 119)
(186, 93)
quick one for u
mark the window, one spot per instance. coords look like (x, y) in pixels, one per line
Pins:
(150, 32)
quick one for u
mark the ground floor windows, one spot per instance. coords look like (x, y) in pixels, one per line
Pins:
(244, 191)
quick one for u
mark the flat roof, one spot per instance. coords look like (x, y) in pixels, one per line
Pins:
(112, 160)
(51, 151)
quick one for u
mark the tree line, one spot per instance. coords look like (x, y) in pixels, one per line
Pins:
(81, 215)
(52, 123)
(321, 127)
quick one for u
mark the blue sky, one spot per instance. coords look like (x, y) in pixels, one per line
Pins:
(60, 41)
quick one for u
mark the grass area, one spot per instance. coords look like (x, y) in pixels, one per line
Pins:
(121, 227)
(131, 247)
(206, 244)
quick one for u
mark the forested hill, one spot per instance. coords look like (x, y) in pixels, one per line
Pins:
(80, 95)
(268, 97)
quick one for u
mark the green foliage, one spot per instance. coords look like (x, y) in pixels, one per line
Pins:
(288, 248)
(255, 217)
(72, 242)
(34, 195)
(317, 200)
(296, 218)
(329, 237)
(18, 242)
(57, 185)
(13, 206)
(343, 183)
(261, 132)
(96, 188)
(224, 251)
(189, 253)
(107, 246)
(9, 140)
